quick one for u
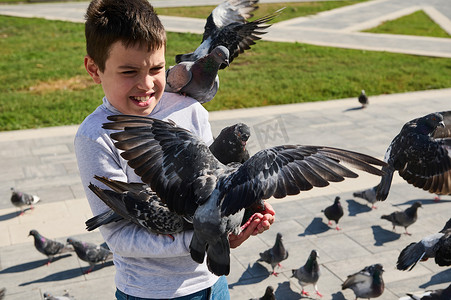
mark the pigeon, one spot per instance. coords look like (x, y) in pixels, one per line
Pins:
(436, 245)
(49, 296)
(334, 212)
(269, 294)
(21, 199)
(181, 169)
(404, 218)
(198, 79)
(2, 293)
(90, 253)
(421, 155)
(369, 195)
(363, 99)
(308, 273)
(438, 294)
(275, 254)
(137, 203)
(230, 145)
(227, 26)
(367, 283)
(48, 247)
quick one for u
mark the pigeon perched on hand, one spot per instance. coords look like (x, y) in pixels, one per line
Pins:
(227, 26)
(438, 294)
(404, 218)
(367, 283)
(48, 247)
(334, 212)
(363, 99)
(421, 153)
(198, 79)
(275, 254)
(181, 169)
(269, 294)
(368, 195)
(436, 245)
(230, 145)
(21, 199)
(308, 273)
(137, 203)
(90, 253)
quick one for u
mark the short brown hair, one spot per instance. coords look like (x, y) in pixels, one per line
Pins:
(130, 21)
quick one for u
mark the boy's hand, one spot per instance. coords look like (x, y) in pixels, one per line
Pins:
(258, 223)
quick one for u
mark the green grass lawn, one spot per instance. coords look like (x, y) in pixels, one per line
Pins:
(44, 82)
(417, 23)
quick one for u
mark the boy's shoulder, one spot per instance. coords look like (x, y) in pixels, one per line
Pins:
(92, 124)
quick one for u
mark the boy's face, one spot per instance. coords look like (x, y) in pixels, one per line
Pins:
(133, 79)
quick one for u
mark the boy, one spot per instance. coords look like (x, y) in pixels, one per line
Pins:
(125, 44)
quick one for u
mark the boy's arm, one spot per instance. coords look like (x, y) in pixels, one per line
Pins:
(124, 238)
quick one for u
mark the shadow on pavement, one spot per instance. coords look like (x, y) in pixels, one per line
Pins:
(317, 226)
(31, 265)
(382, 236)
(9, 216)
(284, 291)
(442, 277)
(253, 274)
(355, 208)
(424, 202)
(338, 296)
(353, 108)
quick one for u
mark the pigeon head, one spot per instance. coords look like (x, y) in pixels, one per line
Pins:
(417, 204)
(74, 242)
(221, 55)
(279, 237)
(376, 269)
(242, 132)
(314, 255)
(429, 123)
(34, 233)
(337, 200)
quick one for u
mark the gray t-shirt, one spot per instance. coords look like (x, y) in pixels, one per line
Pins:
(147, 265)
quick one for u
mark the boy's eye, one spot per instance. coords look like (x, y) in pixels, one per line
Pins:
(128, 72)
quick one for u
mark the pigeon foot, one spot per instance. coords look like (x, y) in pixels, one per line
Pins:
(305, 293)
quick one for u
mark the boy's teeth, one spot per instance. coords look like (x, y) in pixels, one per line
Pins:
(141, 99)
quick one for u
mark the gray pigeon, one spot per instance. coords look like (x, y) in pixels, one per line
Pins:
(369, 195)
(367, 283)
(275, 254)
(198, 79)
(308, 273)
(404, 218)
(363, 99)
(334, 212)
(49, 296)
(90, 253)
(21, 199)
(227, 26)
(421, 153)
(436, 245)
(181, 169)
(269, 294)
(48, 247)
(230, 145)
(438, 294)
(136, 203)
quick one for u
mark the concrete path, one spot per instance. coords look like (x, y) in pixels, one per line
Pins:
(42, 161)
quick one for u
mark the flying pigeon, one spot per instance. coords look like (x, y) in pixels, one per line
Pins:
(308, 273)
(230, 145)
(438, 294)
(334, 212)
(404, 218)
(90, 253)
(136, 202)
(198, 79)
(363, 99)
(367, 283)
(49, 296)
(275, 254)
(21, 199)
(48, 247)
(227, 26)
(421, 153)
(369, 195)
(269, 294)
(181, 169)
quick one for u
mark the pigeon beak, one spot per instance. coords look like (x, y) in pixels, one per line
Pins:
(227, 62)
(441, 124)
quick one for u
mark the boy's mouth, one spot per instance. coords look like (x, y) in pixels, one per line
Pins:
(142, 100)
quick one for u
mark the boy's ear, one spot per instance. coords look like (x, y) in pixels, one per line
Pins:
(92, 69)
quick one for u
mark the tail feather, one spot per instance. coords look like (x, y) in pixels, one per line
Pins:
(384, 186)
(197, 249)
(218, 257)
(102, 219)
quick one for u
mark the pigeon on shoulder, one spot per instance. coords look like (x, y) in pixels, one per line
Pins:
(90, 253)
(404, 218)
(21, 199)
(309, 273)
(275, 255)
(421, 153)
(48, 247)
(334, 212)
(368, 195)
(230, 145)
(367, 283)
(181, 169)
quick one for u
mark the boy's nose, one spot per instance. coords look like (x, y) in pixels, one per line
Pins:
(146, 82)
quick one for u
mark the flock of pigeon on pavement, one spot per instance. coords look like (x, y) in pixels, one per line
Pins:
(215, 190)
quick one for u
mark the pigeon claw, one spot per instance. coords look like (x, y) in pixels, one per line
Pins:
(275, 273)
(337, 228)
(319, 294)
(305, 293)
